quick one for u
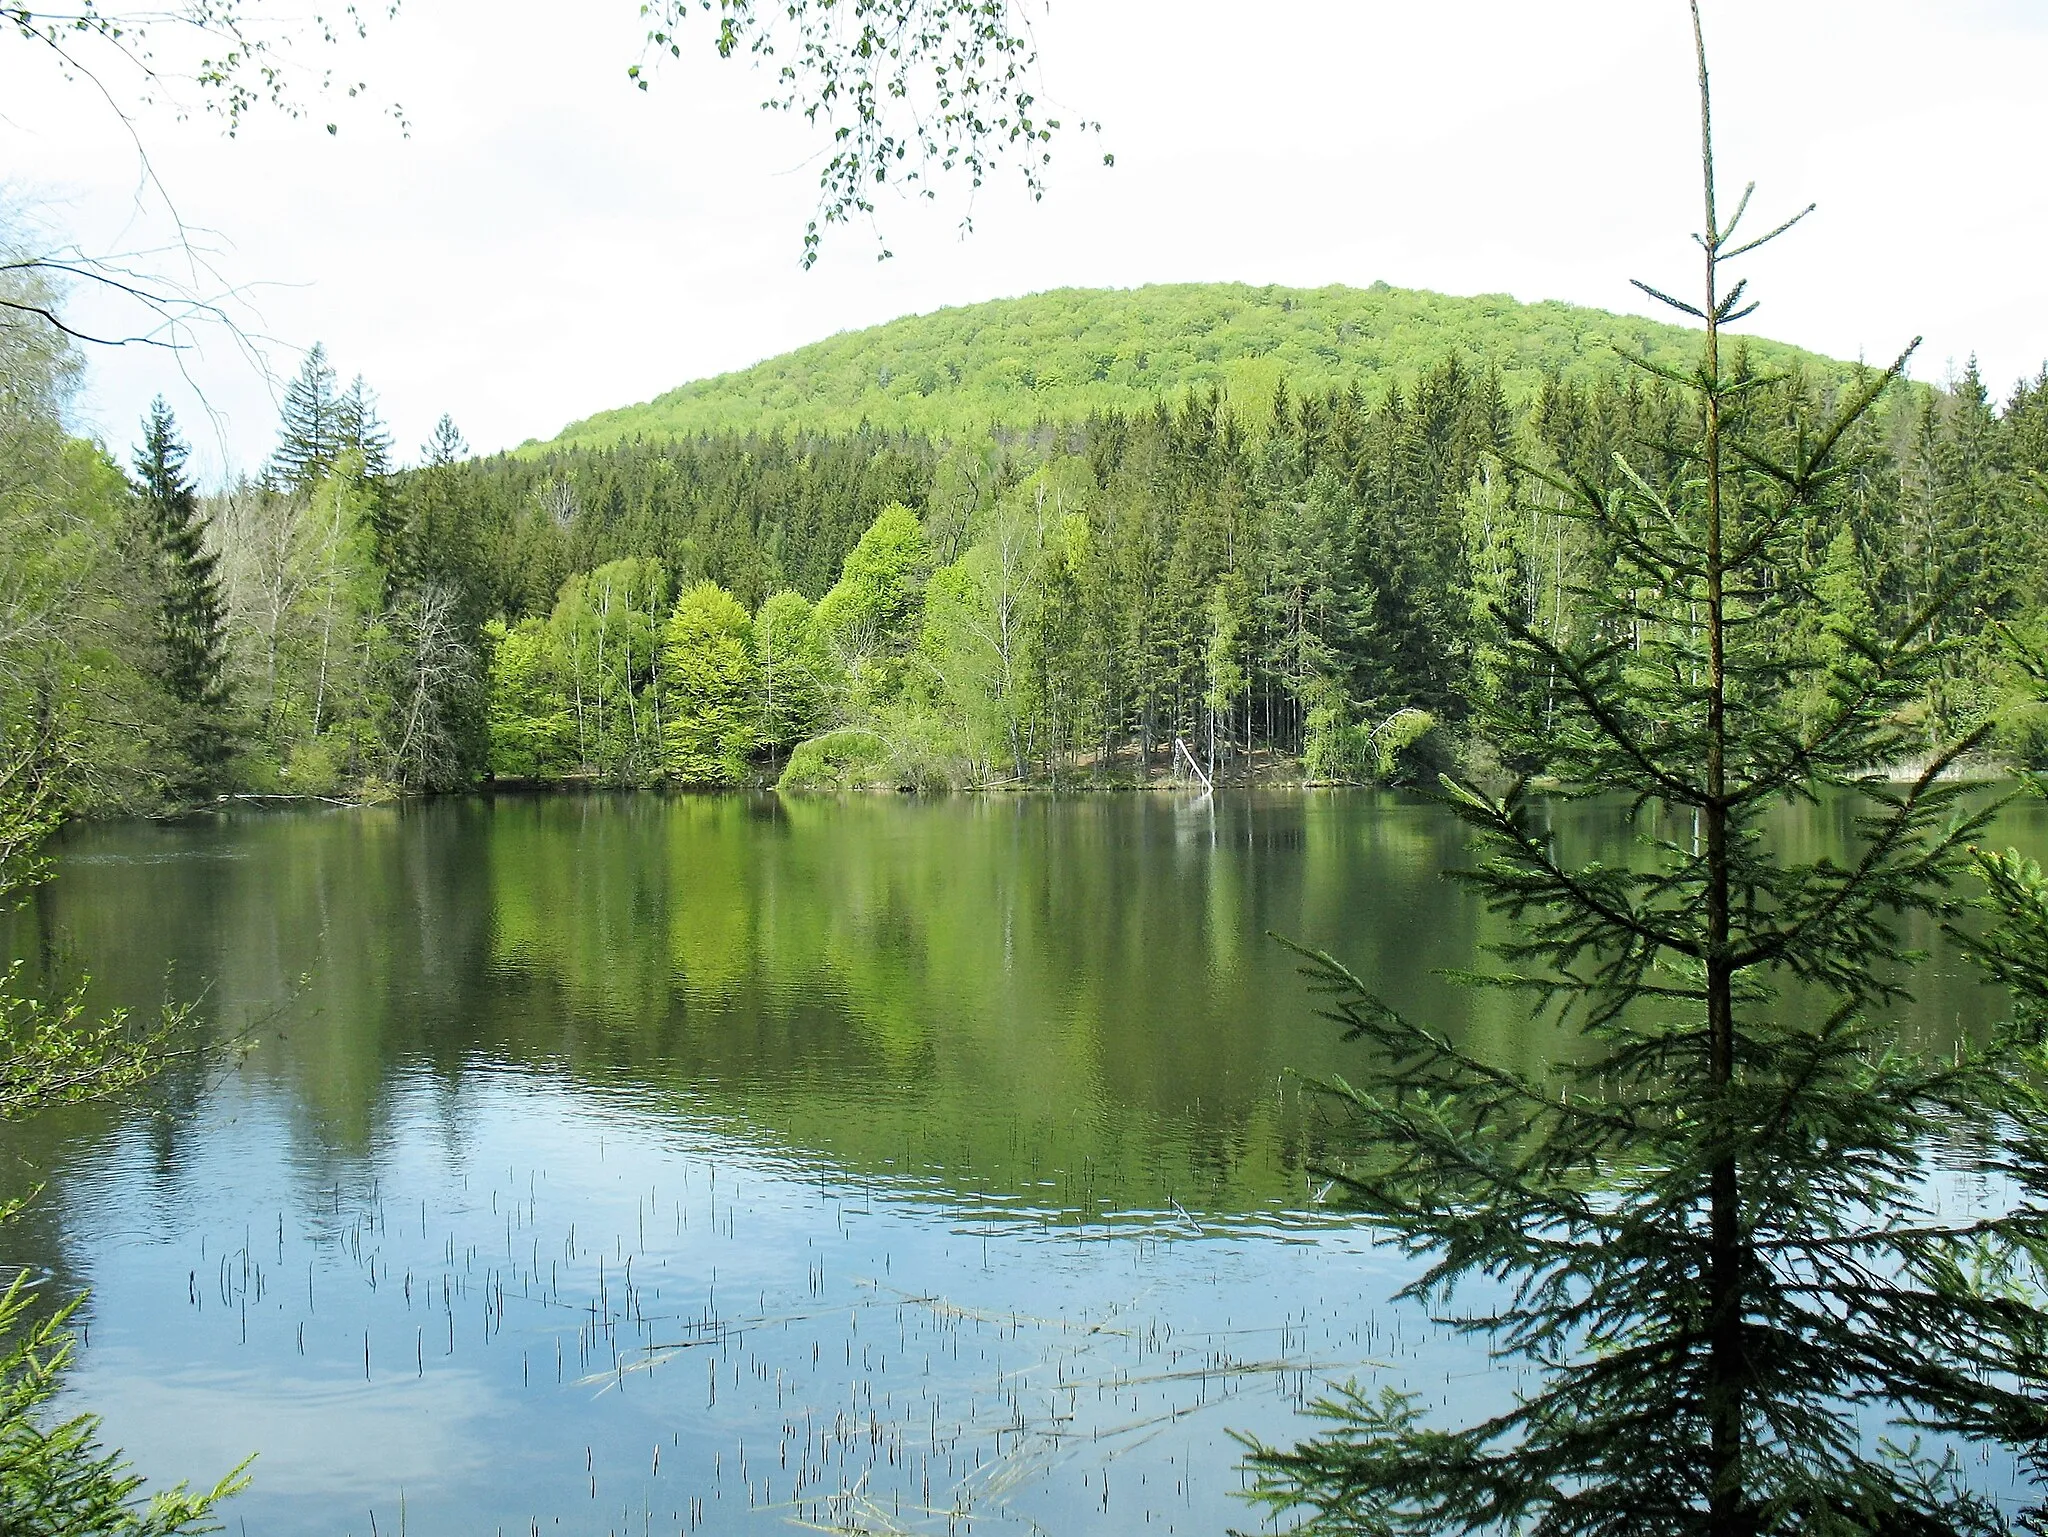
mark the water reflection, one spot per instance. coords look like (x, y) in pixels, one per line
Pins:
(937, 1155)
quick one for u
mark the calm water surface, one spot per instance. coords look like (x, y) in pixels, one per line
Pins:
(655, 1165)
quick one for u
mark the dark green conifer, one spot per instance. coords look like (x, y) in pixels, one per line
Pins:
(362, 433)
(191, 614)
(1710, 1230)
(313, 429)
(362, 428)
(447, 446)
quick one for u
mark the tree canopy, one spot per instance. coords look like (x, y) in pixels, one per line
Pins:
(1072, 353)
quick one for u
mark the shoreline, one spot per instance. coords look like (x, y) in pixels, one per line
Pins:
(1976, 772)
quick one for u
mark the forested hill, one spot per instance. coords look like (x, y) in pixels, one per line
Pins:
(1072, 352)
(1305, 583)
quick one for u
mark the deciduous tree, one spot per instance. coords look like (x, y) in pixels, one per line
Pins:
(712, 687)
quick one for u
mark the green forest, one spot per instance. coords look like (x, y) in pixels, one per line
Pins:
(1074, 353)
(1725, 1243)
(1297, 582)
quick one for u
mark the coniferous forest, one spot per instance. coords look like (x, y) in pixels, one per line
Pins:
(1295, 586)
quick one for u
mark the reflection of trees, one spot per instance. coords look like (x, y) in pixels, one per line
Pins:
(345, 941)
(997, 987)
(991, 992)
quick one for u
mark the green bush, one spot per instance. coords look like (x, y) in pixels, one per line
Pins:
(911, 750)
(1405, 748)
(926, 752)
(314, 767)
(2023, 733)
(847, 759)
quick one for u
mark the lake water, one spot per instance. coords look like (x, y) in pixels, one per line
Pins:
(644, 1164)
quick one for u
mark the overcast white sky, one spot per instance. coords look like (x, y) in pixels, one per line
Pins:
(548, 241)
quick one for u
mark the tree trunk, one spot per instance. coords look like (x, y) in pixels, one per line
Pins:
(1727, 1370)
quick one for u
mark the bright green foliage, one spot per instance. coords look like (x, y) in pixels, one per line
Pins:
(795, 673)
(533, 731)
(1397, 741)
(319, 718)
(1712, 1236)
(80, 689)
(1335, 747)
(1364, 541)
(851, 758)
(356, 604)
(1344, 751)
(982, 632)
(1363, 546)
(305, 600)
(967, 678)
(712, 687)
(602, 637)
(1266, 573)
(1077, 352)
(869, 620)
(1360, 546)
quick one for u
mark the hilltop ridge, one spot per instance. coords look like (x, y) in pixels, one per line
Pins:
(1062, 354)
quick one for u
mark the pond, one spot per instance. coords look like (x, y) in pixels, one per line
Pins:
(640, 1164)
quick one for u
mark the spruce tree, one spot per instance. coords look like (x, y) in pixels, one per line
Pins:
(1712, 1230)
(361, 432)
(311, 434)
(447, 446)
(361, 427)
(191, 613)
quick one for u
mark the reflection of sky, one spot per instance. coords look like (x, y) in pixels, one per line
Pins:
(318, 1438)
(1004, 1361)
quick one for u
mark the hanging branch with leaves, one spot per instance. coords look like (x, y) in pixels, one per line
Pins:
(910, 91)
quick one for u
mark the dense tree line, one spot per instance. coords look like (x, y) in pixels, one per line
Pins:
(1308, 590)
(1304, 589)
